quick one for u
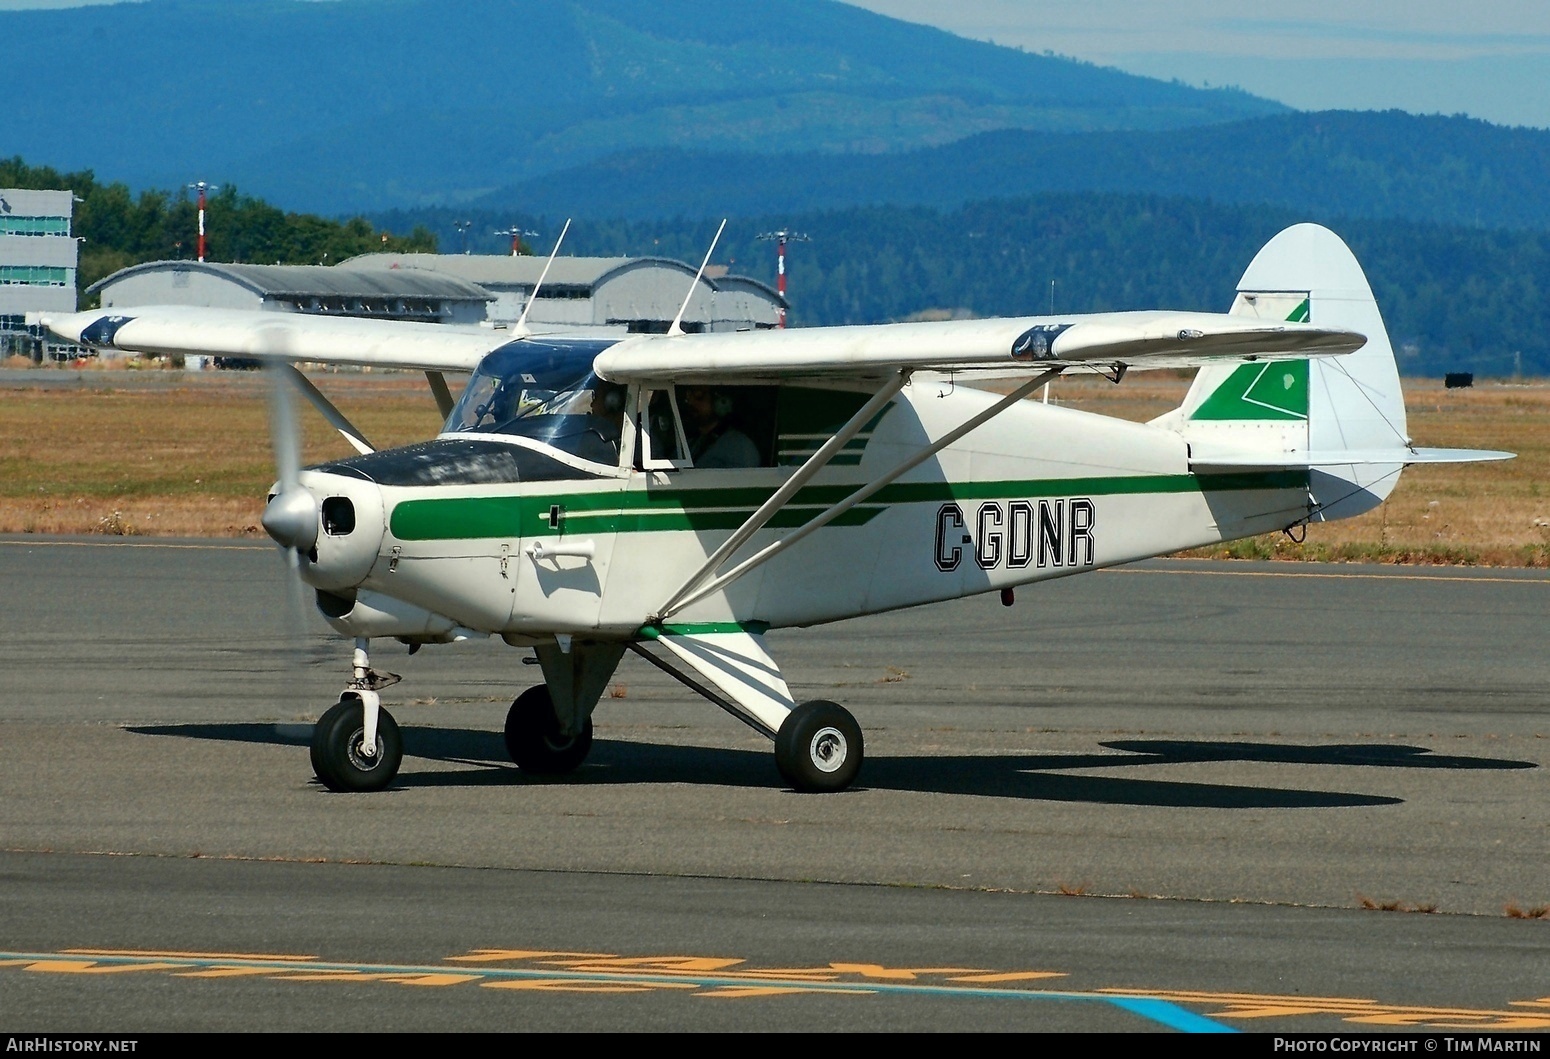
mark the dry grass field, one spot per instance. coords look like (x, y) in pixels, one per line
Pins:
(1479, 514)
(172, 453)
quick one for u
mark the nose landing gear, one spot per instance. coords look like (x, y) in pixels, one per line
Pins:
(356, 745)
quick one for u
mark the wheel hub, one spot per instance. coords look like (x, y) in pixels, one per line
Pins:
(828, 749)
(359, 757)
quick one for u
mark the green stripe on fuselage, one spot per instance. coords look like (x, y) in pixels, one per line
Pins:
(705, 628)
(639, 511)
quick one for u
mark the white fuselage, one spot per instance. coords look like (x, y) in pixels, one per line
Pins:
(1038, 492)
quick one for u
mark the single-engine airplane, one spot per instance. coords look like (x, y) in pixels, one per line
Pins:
(570, 506)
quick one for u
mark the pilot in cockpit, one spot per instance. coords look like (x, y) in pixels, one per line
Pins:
(546, 395)
(605, 423)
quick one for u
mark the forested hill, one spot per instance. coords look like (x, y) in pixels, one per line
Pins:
(357, 104)
(1454, 298)
(1447, 170)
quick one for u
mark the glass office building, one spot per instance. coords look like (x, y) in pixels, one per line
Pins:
(38, 259)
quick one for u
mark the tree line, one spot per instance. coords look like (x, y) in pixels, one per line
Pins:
(118, 228)
(1454, 298)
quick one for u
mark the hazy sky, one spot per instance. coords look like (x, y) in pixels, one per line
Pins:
(1489, 59)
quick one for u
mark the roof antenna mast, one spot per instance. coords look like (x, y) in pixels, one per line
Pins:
(677, 328)
(533, 297)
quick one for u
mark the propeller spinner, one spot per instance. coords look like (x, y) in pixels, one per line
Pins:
(291, 518)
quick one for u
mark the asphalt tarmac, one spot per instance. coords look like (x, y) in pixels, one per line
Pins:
(1134, 796)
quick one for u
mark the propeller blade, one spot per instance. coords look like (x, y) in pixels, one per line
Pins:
(295, 593)
(283, 432)
(292, 514)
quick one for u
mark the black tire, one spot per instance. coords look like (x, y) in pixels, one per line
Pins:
(819, 747)
(533, 736)
(336, 756)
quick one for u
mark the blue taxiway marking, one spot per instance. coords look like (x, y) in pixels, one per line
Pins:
(1171, 1015)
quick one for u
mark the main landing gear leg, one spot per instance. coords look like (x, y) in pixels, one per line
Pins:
(356, 745)
(818, 744)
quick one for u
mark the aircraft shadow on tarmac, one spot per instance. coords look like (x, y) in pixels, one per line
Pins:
(1038, 777)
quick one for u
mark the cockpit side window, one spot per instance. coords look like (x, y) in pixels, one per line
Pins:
(659, 439)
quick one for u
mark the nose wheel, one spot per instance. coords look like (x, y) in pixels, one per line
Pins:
(340, 755)
(818, 747)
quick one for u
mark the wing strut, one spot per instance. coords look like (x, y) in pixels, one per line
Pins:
(803, 475)
(335, 417)
(836, 510)
(442, 394)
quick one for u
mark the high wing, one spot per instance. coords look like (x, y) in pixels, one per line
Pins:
(1003, 346)
(1006, 346)
(266, 335)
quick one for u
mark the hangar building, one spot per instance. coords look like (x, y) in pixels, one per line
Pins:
(323, 289)
(620, 294)
(631, 294)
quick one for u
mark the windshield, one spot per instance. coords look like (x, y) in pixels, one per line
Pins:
(546, 391)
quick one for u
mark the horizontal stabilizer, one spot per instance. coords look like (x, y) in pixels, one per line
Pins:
(1346, 458)
(1459, 455)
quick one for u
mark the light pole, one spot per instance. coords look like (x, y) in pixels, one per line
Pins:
(462, 229)
(202, 187)
(516, 234)
(782, 237)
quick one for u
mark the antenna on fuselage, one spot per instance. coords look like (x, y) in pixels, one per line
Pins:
(521, 324)
(678, 328)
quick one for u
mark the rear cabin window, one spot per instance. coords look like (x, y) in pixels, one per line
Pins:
(809, 417)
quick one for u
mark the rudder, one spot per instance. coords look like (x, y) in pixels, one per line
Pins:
(1312, 414)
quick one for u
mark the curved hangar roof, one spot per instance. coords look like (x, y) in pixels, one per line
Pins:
(306, 281)
(505, 270)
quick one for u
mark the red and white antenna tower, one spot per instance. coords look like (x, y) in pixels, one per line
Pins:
(782, 237)
(516, 232)
(202, 187)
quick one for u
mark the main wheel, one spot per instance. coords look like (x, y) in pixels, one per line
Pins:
(336, 748)
(818, 747)
(533, 736)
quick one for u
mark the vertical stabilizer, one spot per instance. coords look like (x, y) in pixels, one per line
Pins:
(1309, 413)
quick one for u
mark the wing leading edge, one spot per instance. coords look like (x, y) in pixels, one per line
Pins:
(1006, 346)
(264, 335)
(1003, 346)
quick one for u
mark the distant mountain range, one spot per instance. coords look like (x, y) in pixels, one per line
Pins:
(369, 104)
(934, 173)
(1444, 170)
